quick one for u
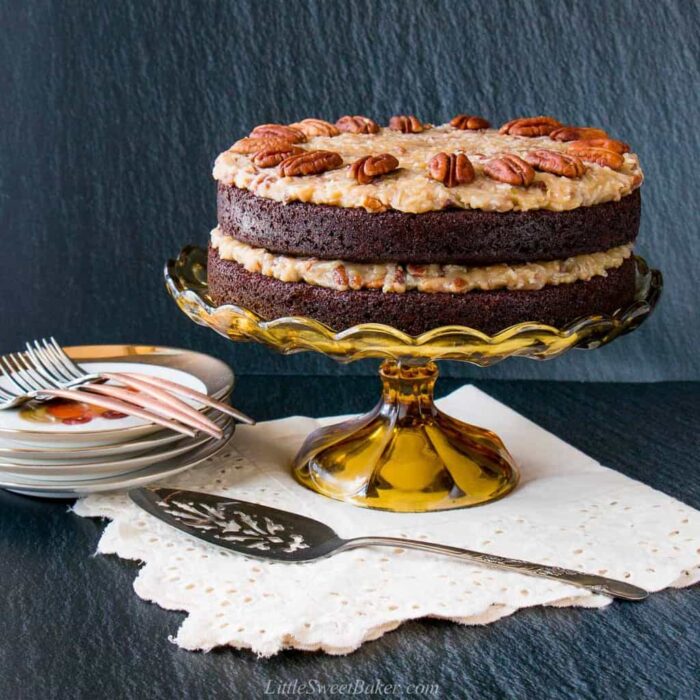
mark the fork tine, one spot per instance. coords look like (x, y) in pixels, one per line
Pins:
(22, 375)
(79, 371)
(50, 362)
(5, 394)
(62, 356)
(35, 379)
(41, 368)
(13, 376)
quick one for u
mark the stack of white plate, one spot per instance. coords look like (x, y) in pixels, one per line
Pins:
(56, 460)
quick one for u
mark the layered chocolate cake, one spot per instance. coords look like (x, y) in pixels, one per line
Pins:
(419, 226)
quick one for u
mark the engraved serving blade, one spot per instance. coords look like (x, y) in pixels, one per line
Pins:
(259, 531)
(247, 528)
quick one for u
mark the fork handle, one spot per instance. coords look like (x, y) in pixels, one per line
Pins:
(596, 584)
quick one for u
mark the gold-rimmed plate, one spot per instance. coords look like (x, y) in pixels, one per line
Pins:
(193, 369)
(103, 468)
(119, 482)
(38, 454)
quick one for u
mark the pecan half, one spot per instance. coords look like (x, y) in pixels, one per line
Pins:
(253, 144)
(574, 133)
(270, 157)
(530, 126)
(609, 144)
(408, 124)
(357, 125)
(511, 169)
(601, 156)
(279, 131)
(469, 122)
(554, 162)
(368, 168)
(315, 127)
(451, 169)
(310, 163)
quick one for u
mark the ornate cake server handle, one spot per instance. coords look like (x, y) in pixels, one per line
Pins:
(257, 530)
(596, 584)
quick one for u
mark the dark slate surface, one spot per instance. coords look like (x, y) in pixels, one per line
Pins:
(112, 113)
(73, 627)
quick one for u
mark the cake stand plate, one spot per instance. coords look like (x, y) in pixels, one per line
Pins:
(405, 455)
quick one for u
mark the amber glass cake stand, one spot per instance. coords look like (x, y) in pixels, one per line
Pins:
(405, 455)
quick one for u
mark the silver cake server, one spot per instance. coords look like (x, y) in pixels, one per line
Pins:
(277, 535)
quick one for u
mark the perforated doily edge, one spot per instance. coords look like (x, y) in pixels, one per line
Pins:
(109, 544)
(106, 546)
(290, 642)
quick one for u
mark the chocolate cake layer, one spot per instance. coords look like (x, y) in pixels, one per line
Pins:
(466, 236)
(417, 312)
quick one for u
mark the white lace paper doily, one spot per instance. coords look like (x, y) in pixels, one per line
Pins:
(568, 510)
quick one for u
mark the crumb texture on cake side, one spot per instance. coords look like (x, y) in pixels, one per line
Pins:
(459, 236)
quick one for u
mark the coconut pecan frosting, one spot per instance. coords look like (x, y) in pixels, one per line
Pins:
(413, 166)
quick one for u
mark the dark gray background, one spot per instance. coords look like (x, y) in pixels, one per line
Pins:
(112, 113)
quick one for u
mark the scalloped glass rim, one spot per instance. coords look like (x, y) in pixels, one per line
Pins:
(186, 280)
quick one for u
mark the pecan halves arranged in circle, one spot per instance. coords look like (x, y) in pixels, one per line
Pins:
(556, 163)
(574, 133)
(609, 144)
(253, 144)
(310, 163)
(601, 156)
(357, 125)
(270, 157)
(368, 168)
(315, 127)
(451, 169)
(407, 124)
(511, 169)
(530, 126)
(469, 122)
(278, 131)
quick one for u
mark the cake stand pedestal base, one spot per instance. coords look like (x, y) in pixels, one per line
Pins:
(406, 455)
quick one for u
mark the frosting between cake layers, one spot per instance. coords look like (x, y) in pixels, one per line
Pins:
(398, 278)
(409, 189)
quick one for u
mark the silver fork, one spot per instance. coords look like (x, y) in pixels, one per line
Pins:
(45, 371)
(10, 399)
(36, 381)
(26, 379)
(53, 358)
